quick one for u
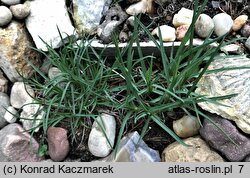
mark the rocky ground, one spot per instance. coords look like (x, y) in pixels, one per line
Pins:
(24, 23)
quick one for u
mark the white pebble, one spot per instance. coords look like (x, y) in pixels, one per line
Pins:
(223, 24)
(183, 17)
(167, 33)
(204, 25)
(10, 115)
(11, 2)
(5, 16)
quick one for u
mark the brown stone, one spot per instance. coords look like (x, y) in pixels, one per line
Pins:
(15, 50)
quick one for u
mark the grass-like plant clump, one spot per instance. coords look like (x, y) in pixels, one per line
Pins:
(139, 88)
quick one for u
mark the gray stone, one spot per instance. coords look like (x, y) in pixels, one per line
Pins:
(4, 104)
(15, 50)
(223, 24)
(32, 116)
(5, 16)
(198, 151)
(247, 44)
(131, 150)
(3, 83)
(45, 18)
(53, 73)
(11, 2)
(228, 82)
(204, 25)
(20, 11)
(217, 139)
(97, 143)
(58, 143)
(88, 13)
(245, 30)
(187, 126)
(11, 115)
(247, 159)
(110, 24)
(21, 94)
(16, 145)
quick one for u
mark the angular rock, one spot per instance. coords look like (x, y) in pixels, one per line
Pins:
(11, 2)
(111, 24)
(87, 14)
(187, 126)
(239, 22)
(198, 152)
(233, 48)
(97, 143)
(217, 139)
(245, 30)
(44, 22)
(130, 151)
(3, 83)
(183, 17)
(181, 31)
(58, 143)
(15, 145)
(11, 115)
(5, 16)
(15, 50)
(20, 11)
(204, 25)
(21, 94)
(223, 24)
(32, 116)
(167, 33)
(226, 83)
(247, 43)
(4, 104)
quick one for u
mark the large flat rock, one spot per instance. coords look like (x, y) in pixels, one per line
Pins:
(229, 82)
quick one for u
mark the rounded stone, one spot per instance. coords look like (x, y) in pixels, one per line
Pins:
(187, 126)
(245, 30)
(167, 33)
(204, 25)
(223, 24)
(183, 17)
(11, 115)
(5, 16)
(99, 144)
(20, 11)
(239, 22)
(58, 143)
(181, 31)
(247, 44)
(11, 2)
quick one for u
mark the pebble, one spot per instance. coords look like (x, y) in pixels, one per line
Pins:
(11, 115)
(97, 142)
(187, 126)
(16, 145)
(247, 43)
(20, 11)
(181, 31)
(131, 151)
(183, 17)
(239, 22)
(198, 152)
(3, 83)
(167, 33)
(5, 16)
(204, 25)
(11, 2)
(223, 24)
(143, 6)
(245, 31)
(217, 140)
(58, 143)
(54, 72)
(4, 103)
(32, 116)
(21, 95)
